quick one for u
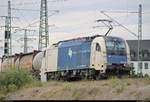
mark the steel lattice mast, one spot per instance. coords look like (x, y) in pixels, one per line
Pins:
(8, 38)
(43, 30)
(139, 38)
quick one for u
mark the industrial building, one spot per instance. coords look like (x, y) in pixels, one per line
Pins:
(144, 62)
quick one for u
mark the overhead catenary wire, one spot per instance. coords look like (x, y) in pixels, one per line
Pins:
(34, 22)
(120, 24)
(55, 11)
(31, 3)
(21, 14)
(123, 12)
(33, 10)
(21, 3)
(104, 10)
(117, 11)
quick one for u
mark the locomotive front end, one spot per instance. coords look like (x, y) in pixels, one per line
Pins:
(118, 56)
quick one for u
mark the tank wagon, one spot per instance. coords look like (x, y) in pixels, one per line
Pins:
(85, 58)
(20, 61)
(7, 63)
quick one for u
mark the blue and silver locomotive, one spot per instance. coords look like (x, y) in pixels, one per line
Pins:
(86, 58)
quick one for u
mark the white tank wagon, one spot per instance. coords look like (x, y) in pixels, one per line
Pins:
(37, 61)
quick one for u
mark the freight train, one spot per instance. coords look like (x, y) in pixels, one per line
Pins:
(80, 58)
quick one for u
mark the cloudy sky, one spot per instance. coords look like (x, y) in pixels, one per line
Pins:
(75, 18)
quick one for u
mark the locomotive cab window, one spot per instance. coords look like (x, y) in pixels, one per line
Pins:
(98, 48)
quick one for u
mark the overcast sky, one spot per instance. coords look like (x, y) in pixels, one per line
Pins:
(75, 18)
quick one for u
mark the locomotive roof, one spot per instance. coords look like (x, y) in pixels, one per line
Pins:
(89, 38)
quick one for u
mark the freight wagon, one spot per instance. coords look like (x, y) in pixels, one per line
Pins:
(21, 61)
(86, 58)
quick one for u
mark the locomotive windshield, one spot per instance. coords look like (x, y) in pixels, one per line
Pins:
(115, 46)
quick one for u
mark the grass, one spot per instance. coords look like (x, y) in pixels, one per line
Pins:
(114, 81)
(67, 86)
(60, 90)
(14, 79)
(77, 95)
(120, 89)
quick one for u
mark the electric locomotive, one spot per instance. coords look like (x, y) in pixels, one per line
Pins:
(86, 58)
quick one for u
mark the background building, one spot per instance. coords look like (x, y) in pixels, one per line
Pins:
(144, 54)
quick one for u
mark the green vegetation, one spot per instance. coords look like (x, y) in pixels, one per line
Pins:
(114, 81)
(67, 86)
(26, 86)
(14, 79)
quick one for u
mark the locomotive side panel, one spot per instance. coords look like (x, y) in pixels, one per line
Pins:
(74, 55)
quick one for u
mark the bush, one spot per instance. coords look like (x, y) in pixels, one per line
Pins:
(14, 79)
